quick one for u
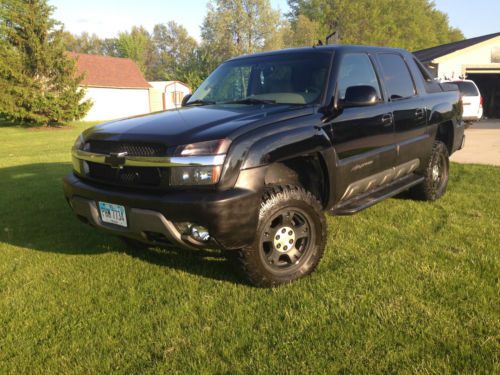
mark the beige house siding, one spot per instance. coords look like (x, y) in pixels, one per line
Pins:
(457, 64)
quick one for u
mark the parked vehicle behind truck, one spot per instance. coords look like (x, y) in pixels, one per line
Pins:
(472, 100)
(264, 148)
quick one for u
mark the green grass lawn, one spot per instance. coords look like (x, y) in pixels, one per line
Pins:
(404, 287)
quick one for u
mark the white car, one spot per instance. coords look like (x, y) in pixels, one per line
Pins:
(471, 99)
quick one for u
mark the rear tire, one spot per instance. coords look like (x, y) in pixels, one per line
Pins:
(290, 238)
(436, 175)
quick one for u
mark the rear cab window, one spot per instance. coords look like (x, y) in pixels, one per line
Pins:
(467, 88)
(397, 78)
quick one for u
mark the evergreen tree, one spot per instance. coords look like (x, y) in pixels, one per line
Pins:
(40, 80)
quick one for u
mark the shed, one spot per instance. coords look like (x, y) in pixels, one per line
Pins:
(115, 85)
(167, 94)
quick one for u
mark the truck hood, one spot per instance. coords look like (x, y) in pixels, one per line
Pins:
(195, 124)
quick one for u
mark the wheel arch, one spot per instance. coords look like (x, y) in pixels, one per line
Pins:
(445, 134)
(308, 171)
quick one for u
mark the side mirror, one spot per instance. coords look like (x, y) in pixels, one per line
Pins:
(359, 96)
(185, 99)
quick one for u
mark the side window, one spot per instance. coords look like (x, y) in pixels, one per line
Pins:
(397, 77)
(425, 74)
(356, 69)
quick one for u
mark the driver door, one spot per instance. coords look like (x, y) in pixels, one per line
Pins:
(363, 137)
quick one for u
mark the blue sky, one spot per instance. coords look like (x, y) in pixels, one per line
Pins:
(107, 17)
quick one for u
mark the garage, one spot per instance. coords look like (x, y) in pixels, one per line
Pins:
(477, 59)
(489, 86)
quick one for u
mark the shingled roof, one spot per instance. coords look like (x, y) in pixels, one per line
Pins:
(105, 71)
(429, 54)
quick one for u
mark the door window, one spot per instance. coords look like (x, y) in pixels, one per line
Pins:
(397, 77)
(356, 70)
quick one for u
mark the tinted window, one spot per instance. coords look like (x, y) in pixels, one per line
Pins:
(425, 74)
(467, 88)
(397, 77)
(356, 70)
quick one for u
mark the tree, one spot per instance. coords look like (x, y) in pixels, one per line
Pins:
(235, 27)
(410, 24)
(13, 84)
(83, 43)
(38, 77)
(303, 32)
(138, 46)
(92, 44)
(175, 52)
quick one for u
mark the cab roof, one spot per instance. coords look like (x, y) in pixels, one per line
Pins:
(335, 47)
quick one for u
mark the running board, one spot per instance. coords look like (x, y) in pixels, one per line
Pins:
(370, 198)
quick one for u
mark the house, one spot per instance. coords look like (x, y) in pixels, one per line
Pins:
(477, 59)
(167, 94)
(115, 85)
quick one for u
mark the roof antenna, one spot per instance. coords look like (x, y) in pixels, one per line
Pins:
(330, 37)
(320, 43)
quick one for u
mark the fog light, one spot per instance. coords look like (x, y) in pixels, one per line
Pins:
(184, 228)
(200, 234)
(197, 232)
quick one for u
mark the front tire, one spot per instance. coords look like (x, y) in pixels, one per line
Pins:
(435, 175)
(290, 238)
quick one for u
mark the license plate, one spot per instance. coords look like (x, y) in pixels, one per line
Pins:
(113, 214)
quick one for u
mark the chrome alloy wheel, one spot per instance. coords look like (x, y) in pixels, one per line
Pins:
(286, 239)
(439, 172)
(435, 172)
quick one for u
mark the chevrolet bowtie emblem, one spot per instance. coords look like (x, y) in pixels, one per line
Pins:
(116, 159)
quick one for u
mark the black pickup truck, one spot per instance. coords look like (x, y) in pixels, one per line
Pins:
(265, 147)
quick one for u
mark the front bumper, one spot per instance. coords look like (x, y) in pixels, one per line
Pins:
(231, 216)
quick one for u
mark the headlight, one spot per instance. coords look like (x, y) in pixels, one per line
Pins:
(203, 175)
(79, 143)
(217, 147)
(199, 174)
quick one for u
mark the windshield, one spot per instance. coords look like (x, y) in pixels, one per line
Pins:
(294, 78)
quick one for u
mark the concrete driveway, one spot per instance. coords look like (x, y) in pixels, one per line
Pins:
(482, 144)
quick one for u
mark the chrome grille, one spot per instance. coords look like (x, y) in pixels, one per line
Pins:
(128, 176)
(132, 149)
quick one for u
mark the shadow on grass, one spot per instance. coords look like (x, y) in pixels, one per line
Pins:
(35, 215)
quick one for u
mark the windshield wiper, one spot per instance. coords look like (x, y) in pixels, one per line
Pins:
(251, 101)
(200, 102)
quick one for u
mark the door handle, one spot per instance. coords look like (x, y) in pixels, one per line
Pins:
(387, 119)
(420, 113)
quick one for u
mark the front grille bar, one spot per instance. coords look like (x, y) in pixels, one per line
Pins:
(141, 161)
